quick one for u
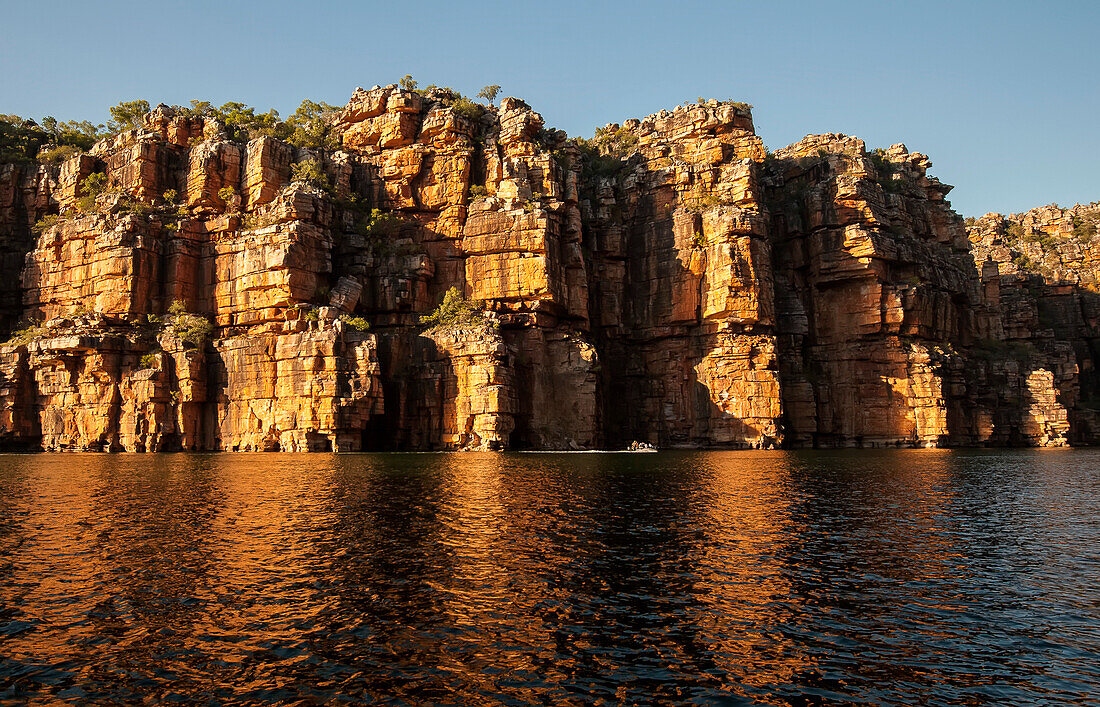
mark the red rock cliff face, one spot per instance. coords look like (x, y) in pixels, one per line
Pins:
(26, 193)
(1040, 289)
(666, 282)
(876, 295)
(682, 290)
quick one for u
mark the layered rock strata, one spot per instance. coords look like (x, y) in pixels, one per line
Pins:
(682, 281)
(1042, 298)
(669, 282)
(876, 294)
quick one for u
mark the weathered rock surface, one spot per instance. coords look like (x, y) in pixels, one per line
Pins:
(666, 282)
(875, 290)
(1041, 298)
(26, 193)
(307, 386)
(685, 322)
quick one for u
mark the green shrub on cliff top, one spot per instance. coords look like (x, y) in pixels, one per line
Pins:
(20, 139)
(888, 175)
(80, 134)
(595, 164)
(312, 126)
(619, 142)
(127, 115)
(878, 159)
(489, 93)
(24, 140)
(604, 154)
(242, 122)
(453, 98)
(57, 154)
(467, 108)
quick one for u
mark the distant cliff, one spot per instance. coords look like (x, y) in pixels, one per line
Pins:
(668, 281)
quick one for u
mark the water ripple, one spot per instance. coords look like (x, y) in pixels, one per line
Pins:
(678, 578)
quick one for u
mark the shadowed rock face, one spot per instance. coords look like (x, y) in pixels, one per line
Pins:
(668, 282)
(1039, 275)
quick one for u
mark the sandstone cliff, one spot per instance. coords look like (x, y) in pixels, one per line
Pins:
(1042, 298)
(668, 281)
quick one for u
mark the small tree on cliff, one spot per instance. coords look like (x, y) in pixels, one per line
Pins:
(80, 134)
(407, 83)
(489, 93)
(454, 311)
(312, 126)
(20, 139)
(93, 186)
(192, 329)
(127, 115)
(242, 122)
(311, 172)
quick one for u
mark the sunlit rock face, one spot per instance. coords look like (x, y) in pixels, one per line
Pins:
(667, 282)
(875, 290)
(682, 283)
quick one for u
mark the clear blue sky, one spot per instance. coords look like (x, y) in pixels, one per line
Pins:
(1004, 96)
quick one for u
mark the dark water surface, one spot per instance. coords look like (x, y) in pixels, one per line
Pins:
(708, 578)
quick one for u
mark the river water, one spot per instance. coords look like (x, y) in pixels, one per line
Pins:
(938, 577)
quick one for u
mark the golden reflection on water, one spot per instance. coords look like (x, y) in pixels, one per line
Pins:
(541, 577)
(749, 514)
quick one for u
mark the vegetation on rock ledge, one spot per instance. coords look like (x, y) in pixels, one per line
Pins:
(311, 172)
(356, 323)
(454, 312)
(192, 329)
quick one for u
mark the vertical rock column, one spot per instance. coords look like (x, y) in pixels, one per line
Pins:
(682, 291)
(875, 288)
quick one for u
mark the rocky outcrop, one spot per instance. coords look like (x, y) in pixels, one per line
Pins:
(26, 194)
(682, 275)
(297, 386)
(875, 293)
(667, 282)
(449, 389)
(1041, 299)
